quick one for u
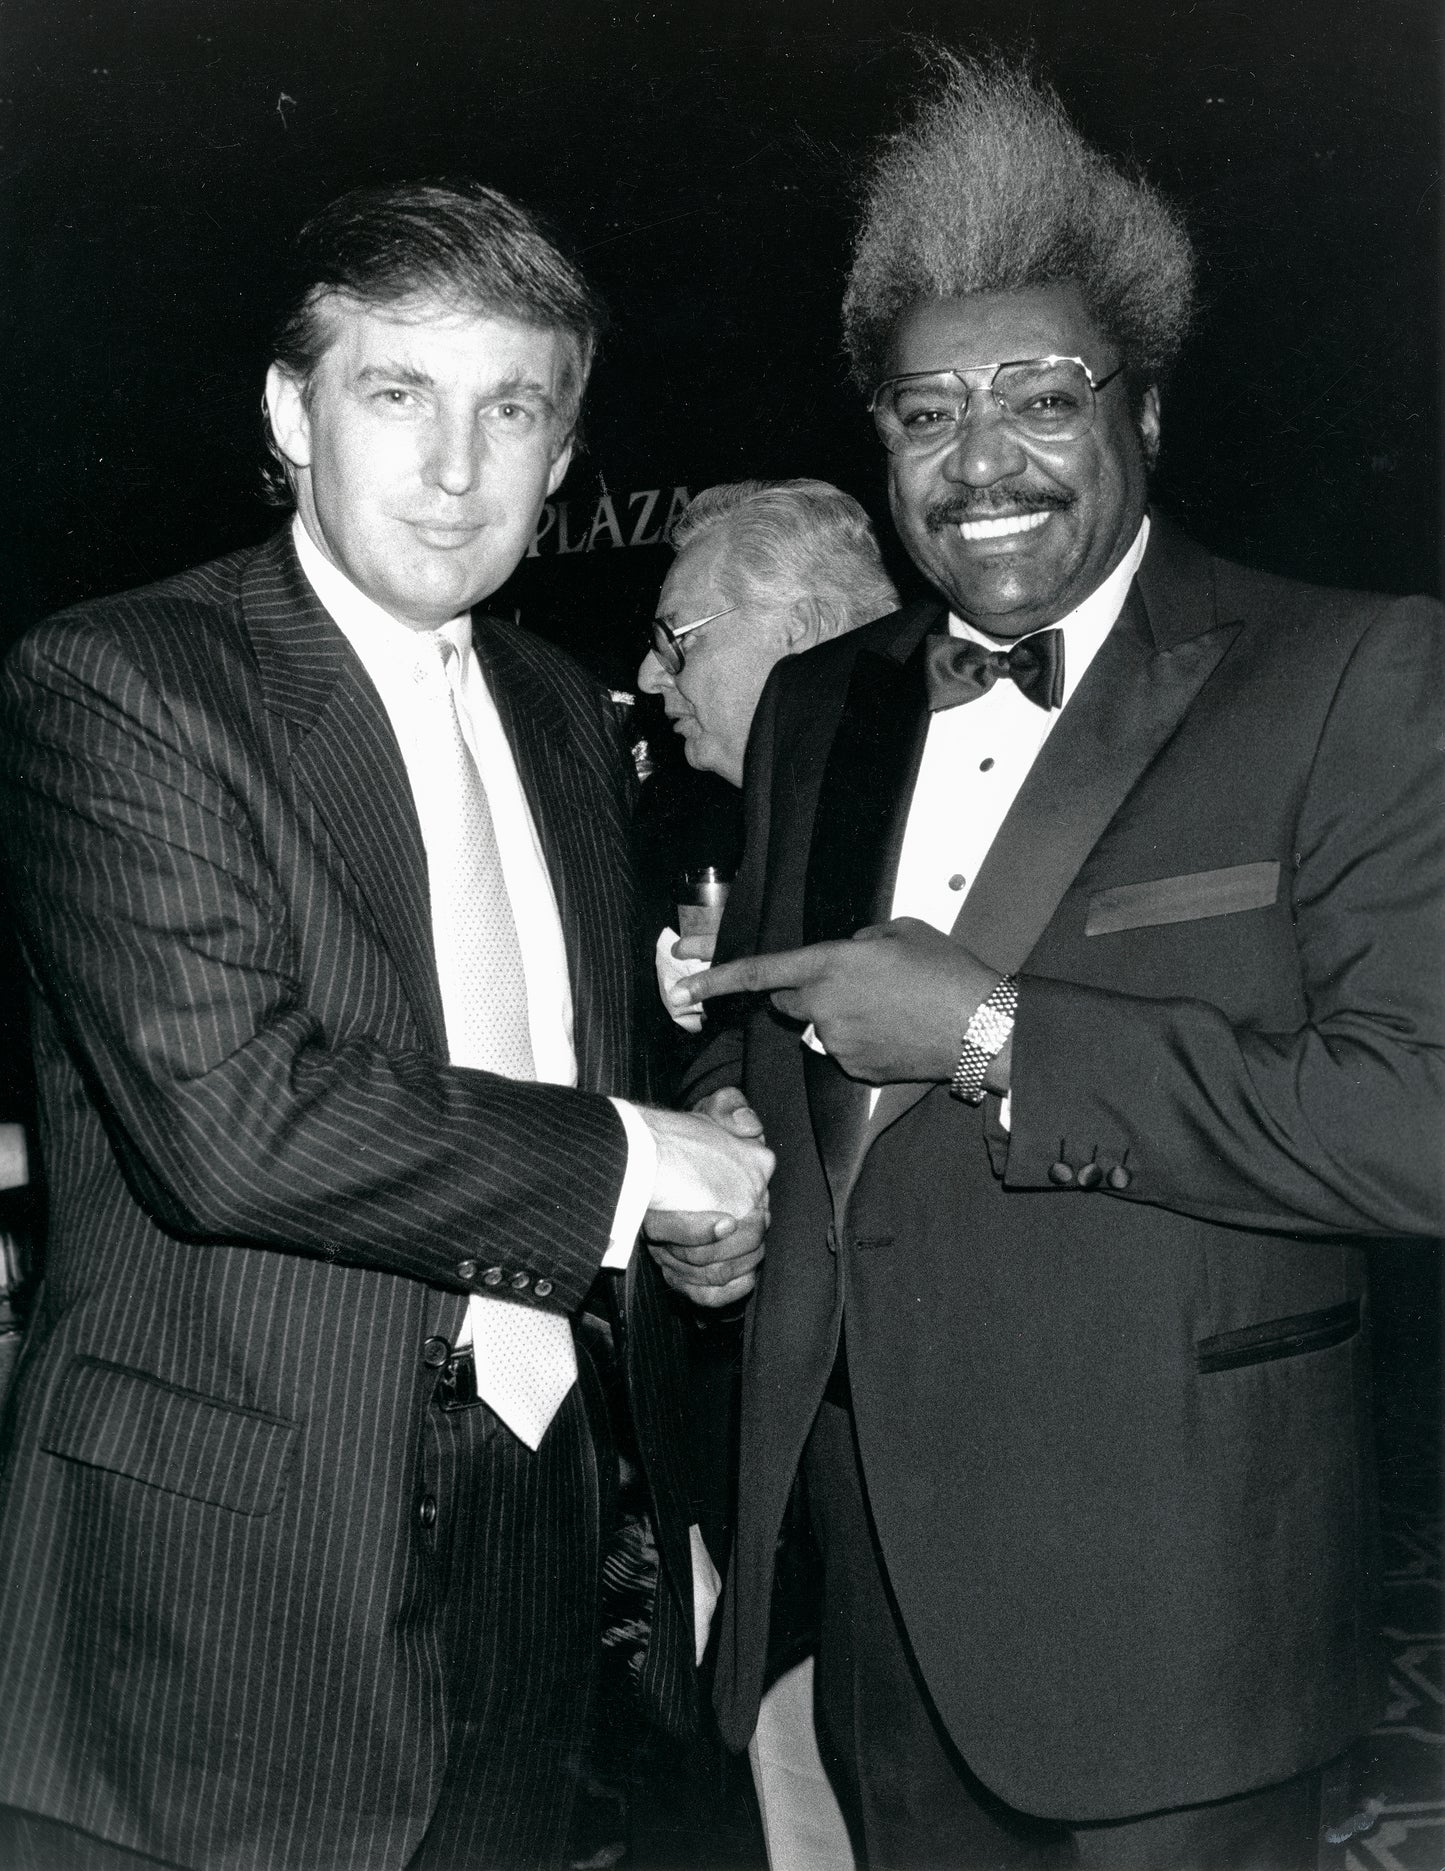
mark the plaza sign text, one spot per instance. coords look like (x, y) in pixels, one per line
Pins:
(616, 521)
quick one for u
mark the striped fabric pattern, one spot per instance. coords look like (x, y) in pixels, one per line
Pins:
(222, 1639)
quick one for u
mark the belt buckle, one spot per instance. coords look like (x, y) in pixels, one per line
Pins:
(457, 1381)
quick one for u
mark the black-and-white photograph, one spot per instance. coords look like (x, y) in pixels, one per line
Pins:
(722, 936)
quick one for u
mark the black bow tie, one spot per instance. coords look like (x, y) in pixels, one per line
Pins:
(960, 670)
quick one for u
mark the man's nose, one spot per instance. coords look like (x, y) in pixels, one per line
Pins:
(455, 458)
(652, 678)
(987, 447)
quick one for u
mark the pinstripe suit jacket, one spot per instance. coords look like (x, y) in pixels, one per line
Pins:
(267, 1188)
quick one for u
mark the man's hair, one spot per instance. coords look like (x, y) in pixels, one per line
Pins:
(990, 188)
(470, 248)
(788, 540)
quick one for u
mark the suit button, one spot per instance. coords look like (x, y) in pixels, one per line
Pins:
(435, 1352)
(1119, 1177)
(1061, 1174)
(1089, 1176)
(542, 1289)
(520, 1282)
(466, 1270)
(426, 1512)
(492, 1277)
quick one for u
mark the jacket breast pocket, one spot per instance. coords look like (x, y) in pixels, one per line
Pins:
(1278, 1338)
(1183, 899)
(130, 1423)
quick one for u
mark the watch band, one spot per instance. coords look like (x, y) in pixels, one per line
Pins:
(985, 1036)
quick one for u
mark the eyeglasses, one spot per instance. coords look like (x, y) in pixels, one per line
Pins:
(667, 639)
(1047, 399)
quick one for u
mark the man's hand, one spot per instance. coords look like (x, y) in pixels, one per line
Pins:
(709, 1209)
(890, 1006)
(731, 1109)
(709, 1258)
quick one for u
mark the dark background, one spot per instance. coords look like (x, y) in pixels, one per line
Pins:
(701, 159)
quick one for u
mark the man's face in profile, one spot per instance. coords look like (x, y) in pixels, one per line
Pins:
(423, 448)
(1015, 532)
(710, 701)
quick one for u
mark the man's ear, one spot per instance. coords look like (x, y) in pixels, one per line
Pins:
(290, 418)
(803, 625)
(560, 466)
(1148, 425)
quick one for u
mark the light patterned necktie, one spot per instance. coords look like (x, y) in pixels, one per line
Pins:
(525, 1359)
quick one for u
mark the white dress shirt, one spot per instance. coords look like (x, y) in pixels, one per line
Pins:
(978, 755)
(387, 650)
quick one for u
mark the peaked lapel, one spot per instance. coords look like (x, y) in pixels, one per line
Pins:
(569, 809)
(345, 755)
(862, 812)
(1137, 690)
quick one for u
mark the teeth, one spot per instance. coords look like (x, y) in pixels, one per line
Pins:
(1000, 529)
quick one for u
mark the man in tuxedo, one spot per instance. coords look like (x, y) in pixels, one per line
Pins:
(1097, 909)
(323, 884)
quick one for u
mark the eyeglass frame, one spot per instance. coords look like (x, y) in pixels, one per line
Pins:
(1008, 363)
(669, 652)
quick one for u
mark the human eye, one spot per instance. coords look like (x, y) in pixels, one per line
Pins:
(391, 397)
(924, 410)
(1047, 396)
(512, 417)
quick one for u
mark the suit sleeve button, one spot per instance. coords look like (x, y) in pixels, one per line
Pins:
(426, 1511)
(1089, 1176)
(492, 1277)
(1061, 1173)
(466, 1270)
(520, 1282)
(543, 1289)
(1119, 1177)
(435, 1352)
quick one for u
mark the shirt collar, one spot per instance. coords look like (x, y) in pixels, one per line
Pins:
(375, 635)
(1086, 626)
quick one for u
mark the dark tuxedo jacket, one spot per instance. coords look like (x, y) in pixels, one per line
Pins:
(268, 1188)
(1109, 1369)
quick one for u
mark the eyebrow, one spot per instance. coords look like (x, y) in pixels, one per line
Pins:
(515, 383)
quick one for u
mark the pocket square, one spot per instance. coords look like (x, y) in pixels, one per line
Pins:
(1183, 899)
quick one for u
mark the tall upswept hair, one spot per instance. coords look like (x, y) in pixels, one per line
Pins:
(990, 188)
(789, 540)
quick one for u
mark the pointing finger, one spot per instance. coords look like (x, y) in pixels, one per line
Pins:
(756, 974)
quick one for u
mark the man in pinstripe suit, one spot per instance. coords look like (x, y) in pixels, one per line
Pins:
(324, 890)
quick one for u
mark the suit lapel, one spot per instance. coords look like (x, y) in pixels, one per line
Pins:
(1138, 688)
(858, 831)
(344, 753)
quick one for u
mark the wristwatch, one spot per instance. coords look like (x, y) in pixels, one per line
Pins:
(985, 1036)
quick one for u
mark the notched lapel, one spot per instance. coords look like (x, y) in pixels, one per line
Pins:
(344, 754)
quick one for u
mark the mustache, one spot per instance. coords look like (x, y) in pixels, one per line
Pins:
(984, 506)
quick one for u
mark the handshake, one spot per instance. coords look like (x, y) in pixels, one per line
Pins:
(709, 1209)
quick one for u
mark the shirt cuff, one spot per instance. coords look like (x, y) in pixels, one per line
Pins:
(635, 1196)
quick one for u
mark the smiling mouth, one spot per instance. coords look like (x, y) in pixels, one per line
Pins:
(1003, 527)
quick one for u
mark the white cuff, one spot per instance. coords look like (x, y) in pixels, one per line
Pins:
(636, 1192)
